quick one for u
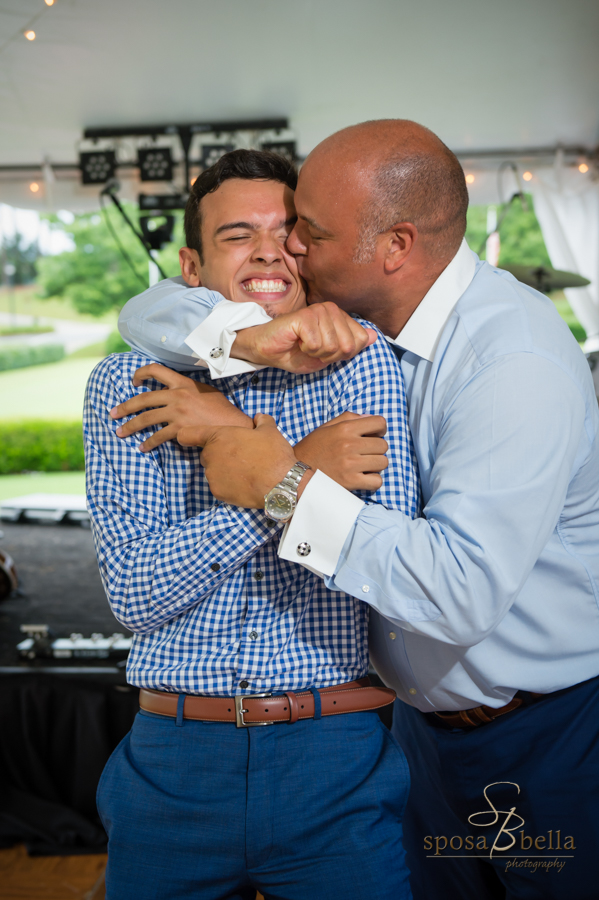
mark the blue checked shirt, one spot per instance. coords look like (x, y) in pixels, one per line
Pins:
(213, 609)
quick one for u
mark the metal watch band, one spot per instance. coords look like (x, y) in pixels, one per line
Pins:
(293, 477)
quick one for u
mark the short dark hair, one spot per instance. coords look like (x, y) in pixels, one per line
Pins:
(427, 189)
(251, 165)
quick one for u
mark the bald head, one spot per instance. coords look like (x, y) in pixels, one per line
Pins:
(405, 174)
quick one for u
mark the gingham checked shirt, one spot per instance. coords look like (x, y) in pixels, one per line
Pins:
(213, 609)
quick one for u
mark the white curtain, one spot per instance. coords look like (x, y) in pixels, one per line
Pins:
(567, 207)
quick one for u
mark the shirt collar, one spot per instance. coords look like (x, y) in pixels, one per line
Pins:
(422, 331)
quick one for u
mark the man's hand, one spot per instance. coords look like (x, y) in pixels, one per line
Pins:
(185, 403)
(242, 467)
(349, 449)
(304, 341)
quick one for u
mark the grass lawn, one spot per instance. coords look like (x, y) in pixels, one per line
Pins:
(41, 483)
(26, 303)
(52, 391)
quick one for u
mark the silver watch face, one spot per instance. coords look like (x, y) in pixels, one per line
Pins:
(279, 505)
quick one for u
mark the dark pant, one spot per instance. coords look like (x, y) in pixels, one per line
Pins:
(550, 752)
(309, 811)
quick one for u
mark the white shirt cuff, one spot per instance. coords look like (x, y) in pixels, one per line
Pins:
(211, 341)
(324, 517)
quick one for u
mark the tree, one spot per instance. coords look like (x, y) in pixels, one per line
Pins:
(95, 276)
(520, 235)
(14, 251)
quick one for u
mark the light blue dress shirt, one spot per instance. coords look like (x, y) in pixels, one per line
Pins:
(496, 588)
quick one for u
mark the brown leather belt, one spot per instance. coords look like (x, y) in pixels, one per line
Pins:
(266, 709)
(480, 715)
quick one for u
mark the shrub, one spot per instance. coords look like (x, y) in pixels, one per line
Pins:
(20, 356)
(115, 344)
(41, 447)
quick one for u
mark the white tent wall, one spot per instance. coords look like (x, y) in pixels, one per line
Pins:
(567, 207)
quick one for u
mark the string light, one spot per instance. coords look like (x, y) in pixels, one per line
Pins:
(30, 35)
(34, 187)
(469, 179)
(583, 168)
(527, 176)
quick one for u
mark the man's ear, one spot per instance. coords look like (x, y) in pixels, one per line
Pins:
(189, 260)
(400, 241)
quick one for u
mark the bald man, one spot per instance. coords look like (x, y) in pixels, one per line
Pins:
(485, 611)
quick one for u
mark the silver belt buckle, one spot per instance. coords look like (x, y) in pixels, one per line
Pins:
(239, 710)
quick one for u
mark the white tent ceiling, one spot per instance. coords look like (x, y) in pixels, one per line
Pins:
(481, 73)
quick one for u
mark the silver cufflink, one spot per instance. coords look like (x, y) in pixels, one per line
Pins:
(216, 353)
(303, 549)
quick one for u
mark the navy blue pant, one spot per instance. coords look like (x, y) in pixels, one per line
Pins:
(550, 750)
(309, 811)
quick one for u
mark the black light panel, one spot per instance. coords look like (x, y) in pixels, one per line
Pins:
(287, 149)
(97, 167)
(211, 153)
(155, 164)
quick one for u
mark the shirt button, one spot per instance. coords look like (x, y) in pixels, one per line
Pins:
(254, 635)
(215, 566)
(259, 576)
(244, 684)
(216, 353)
(412, 691)
(255, 379)
(392, 635)
(163, 339)
(365, 588)
(304, 549)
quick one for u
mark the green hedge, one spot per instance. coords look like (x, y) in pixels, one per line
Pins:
(115, 344)
(26, 329)
(41, 447)
(21, 356)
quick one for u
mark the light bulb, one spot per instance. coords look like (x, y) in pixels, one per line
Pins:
(527, 176)
(49, 2)
(34, 187)
(469, 179)
(583, 168)
(30, 35)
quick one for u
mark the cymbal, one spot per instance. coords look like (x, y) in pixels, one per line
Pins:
(545, 279)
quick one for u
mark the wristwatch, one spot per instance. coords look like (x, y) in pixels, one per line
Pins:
(280, 502)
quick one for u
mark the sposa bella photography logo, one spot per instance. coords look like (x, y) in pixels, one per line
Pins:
(508, 834)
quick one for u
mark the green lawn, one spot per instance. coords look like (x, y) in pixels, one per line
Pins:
(41, 483)
(52, 391)
(26, 303)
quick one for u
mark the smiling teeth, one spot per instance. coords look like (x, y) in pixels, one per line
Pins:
(264, 287)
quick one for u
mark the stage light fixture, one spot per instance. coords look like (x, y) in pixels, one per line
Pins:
(161, 202)
(30, 35)
(34, 187)
(583, 168)
(157, 230)
(527, 176)
(97, 167)
(288, 149)
(469, 178)
(211, 153)
(155, 164)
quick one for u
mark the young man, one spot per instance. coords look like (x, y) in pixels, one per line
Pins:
(226, 633)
